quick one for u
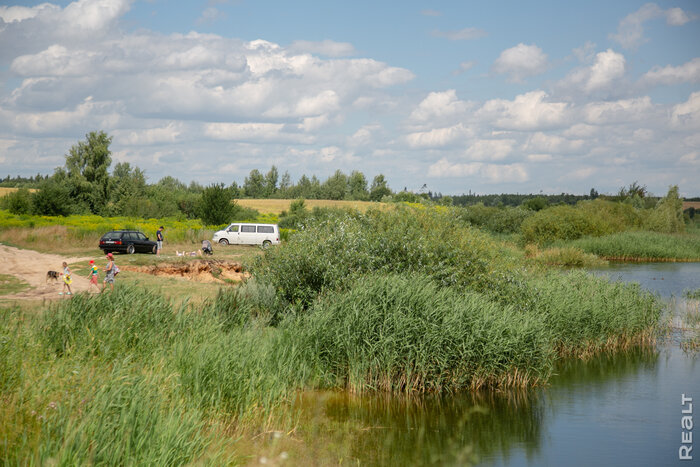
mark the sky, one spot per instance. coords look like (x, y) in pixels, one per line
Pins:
(453, 96)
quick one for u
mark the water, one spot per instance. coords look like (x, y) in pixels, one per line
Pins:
(612, 410)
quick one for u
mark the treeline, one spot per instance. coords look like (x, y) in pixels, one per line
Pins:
(84, 185)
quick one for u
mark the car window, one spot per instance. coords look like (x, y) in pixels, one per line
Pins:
(247, 228)
(140, 236)
(130, 236)
(233, 228)
(266, 229)
(112, 236)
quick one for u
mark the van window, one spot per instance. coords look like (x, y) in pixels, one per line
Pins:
(266, 229)
(247, 228)
(232, 228)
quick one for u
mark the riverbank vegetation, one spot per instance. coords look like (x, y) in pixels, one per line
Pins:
(404, 301)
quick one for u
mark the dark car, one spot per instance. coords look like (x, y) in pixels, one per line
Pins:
(127, 241)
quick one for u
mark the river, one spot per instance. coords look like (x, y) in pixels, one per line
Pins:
(610, 410)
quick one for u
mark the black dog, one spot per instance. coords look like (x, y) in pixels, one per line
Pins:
(52, 275)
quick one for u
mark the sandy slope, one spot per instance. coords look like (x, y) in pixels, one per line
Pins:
(31, 267)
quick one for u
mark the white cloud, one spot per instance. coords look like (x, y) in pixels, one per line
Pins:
(689, 72)
(210, 14)
(494, 149)
(598, 113)
(439, 106)
(438, 137)
(264, 132)
(465, 34)
(15, 14)
(520, 62)
(579, 174)
(528, 111)
(464, 67)
(692, 158)
(609, 66)
(492, 173)
(326, 47)
(687, 114)
(552, 143)
(539, 157)
(630, 31)
(167, 134)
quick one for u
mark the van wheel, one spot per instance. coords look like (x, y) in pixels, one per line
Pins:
(223, 242)
(266, 244)
(130, 249)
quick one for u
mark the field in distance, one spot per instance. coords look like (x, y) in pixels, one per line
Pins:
(6, 191)
(276, 206)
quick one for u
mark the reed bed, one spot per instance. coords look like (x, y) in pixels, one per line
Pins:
(642, 246)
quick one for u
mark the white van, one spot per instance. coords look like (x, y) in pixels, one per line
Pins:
(240, 233)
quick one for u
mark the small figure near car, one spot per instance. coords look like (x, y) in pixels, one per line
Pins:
(159, 240)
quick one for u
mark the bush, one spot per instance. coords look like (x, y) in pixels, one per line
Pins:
(18, 202)
(216, 207)
(329, 251)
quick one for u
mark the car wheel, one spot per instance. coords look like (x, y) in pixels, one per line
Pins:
(223, 242)
(266, 244)
(130, 249)
(154, 250)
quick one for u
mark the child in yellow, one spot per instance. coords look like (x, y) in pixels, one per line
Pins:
(67, 281)
(93, 274)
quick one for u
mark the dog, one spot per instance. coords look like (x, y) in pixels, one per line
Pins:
(52, 275)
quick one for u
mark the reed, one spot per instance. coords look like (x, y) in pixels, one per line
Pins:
(403, 333)
(642, 246)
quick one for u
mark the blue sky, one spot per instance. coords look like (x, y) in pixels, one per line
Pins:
(483, 96)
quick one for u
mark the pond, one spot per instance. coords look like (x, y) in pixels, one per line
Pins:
(610, 410)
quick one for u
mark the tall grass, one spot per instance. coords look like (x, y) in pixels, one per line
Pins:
(649, 246)
(405, 334)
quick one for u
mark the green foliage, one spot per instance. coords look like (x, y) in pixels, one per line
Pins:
(216, 205)
(329, 250)
(692, 294)
(296, 216)
(52, 199)
(535, 204)
(18, 202)
(640, 245)
(403, 333)
(379, 188)
(667, 217)
(493, 219)
(87, 165)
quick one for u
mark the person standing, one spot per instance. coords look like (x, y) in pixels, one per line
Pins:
(110, 271)
(67, 281)
(93, 274)
(159, 240)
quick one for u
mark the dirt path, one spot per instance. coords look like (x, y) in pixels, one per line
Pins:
(31, 267)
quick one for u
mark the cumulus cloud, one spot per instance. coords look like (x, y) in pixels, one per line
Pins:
(491, 173)
(439, 106)
(528, 111)
(327, 47)
(625, 110)
(439, 137)
(687, 114)
(630, 31)
(465, 34)
(520, 62)
(603, 77)
(689, 72)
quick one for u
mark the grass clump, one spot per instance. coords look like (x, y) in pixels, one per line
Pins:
(564, 256)
(11, 284)
(403, 333)
(644, 246)
(692, 294)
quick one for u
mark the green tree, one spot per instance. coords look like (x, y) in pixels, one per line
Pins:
(667, 216)
(216, 205)
(357, 186)
(87, 167)
(52, 199)
(535, 204)
(379, 188)
(271, 178)
(18, 202)
(336, 186)
(254, 184)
